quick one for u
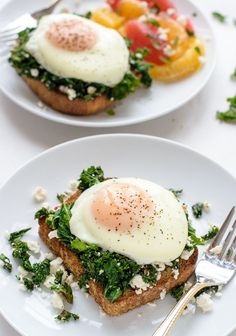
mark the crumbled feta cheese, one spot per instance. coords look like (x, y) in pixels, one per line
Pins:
(204, 302)
(69, 280)
(218, 294)
(186, 254)
(7, 234)
(73, 185)
(162, 294)
(202, 59)
(22, 288)
(44, 295)
(91, 90)
(33, 246)
(158, 277)
(176, 273)
(22, 271)
(40, 104)
(55, 265)
(34, 72)
(40, 194)
(152, 304)
(161, 267)
(162, 33)
(87, 286)
(45, 205)
(57, 301)
(139, 315)
(53, 234)
(102, 313)
(49, 281)
(206, 206)
(216, 250)
(170, 11)
(71, 93)
(190, 308)
(49, 256)
(139, 55)
(187, 286)
(101, 271)
(182, 19)
(168, 51)
(138, 284)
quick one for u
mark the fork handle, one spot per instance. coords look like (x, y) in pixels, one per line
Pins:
(177, 311)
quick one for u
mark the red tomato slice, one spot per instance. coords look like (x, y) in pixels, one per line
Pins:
(113, 3)
(189, 26)
(144, 35)
(163, 5)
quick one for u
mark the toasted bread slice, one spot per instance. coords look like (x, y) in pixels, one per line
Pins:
(59, 101)
(129, 300)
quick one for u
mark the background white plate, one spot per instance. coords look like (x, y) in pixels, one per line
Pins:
(161, 161)
(138, 107)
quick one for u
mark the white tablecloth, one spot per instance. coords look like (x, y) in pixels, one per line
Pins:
(23, 135)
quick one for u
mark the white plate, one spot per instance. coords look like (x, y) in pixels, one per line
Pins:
(138, 107)
(158, 160)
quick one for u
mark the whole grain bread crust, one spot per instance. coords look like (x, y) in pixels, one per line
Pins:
(129, 300)
(59, 101)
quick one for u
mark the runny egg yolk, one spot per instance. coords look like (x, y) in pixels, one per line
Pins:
(122, 207)
(71, 35)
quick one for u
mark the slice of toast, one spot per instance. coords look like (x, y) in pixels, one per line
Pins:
(129, 300)
(59, 101)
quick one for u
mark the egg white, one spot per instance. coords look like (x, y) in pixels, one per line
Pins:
(167, 237)
(105, 63)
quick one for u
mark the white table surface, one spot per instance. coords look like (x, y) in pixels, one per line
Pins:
(23, 135)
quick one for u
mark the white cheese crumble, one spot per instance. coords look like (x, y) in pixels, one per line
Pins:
(176, 273)
(162, 33)
(182, 19)
(75, 285)
(206, 206)
(49, 256)
(187, 286)
(71, 93)
(55, 265)
(202, 59)
(7, 234)
(40, 194)
(216, 250)
(170, 11)
(138, 284)
(186, 254)
(53, 234)
(91, 90)
(168, 51)
(22, 271)
(204, 302)
(73, 185)
(33, 246)
(162, 294)
(22, 288)
(152, 304)
(57, 301)
(34, 72)
(49, 281)
(40, 104)
(69, 279)
(161, 267)
(218, 294)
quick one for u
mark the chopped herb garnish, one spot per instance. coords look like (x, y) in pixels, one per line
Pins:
(233, 76)
(190, 33)
(40, 271)
(28, 283)
(43, 212)
(230, 114)
(197, 209)
(211, 234)
(87, 15)
(153, 22)
(177, 292)
(220, 17)
(198, 50)
(165, 59)
(6, 264)
(176, 192)
(65, 290)
(110, 112)
(90, 177)
(175, 41)
(17, 235)
(66, 316)
(156, 45)
(195, 240)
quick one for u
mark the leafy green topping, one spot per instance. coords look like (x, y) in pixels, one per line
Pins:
(220, 17)
(230, 114)
(198, 50)
(17, 235)
(21, 252)
(153, 22)
(90, 177)
(195, 240)
(149, 274)
(110, 112)
(62, 288)
(40, 271)
(43, 212)
(87, 15)
(176, 192)
(190, 33)
(175, 41)
(28, 283)
(6, 262)
(177, 292)
(66, 316)
(24, 62)
(165, 59)
(197, 209)
(211, 234)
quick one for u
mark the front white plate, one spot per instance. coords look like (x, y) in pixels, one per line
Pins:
(161, 161)
(138, 107)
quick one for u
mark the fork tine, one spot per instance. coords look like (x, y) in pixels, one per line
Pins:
(9, 32)
(228, 242)
(224, 228)
(10, 38)
(37, 15)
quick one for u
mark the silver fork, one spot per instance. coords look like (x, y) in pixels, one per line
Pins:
(9, 33)
(212, 270)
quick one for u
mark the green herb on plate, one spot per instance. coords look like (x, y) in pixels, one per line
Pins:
(230, 114)
(220, 17)
(6, 264)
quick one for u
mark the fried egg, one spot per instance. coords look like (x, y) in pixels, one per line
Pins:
(71, 46)
(131, 216)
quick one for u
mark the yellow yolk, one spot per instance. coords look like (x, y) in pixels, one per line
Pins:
(122, 207)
